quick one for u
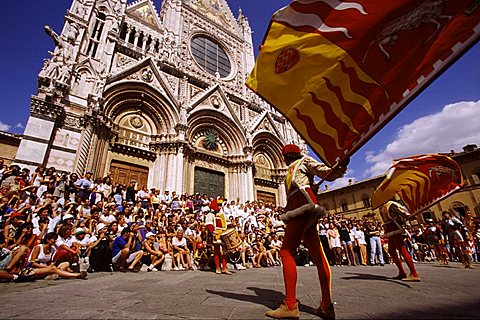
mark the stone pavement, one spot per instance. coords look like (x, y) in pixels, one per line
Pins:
(359, 292)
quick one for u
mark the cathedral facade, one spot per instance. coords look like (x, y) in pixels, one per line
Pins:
(158, 97)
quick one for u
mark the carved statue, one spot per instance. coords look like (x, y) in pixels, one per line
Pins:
(59, 66)
(183, 115)
(81, 9)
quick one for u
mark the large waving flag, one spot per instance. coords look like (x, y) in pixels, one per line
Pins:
(340, 70)
(419, 181)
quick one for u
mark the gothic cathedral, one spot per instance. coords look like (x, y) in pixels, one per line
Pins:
(159, 98)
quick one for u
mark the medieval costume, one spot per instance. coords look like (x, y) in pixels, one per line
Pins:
(394, 216)
(301, 214)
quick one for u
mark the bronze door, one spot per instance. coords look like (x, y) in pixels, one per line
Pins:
(266, 197)
(209, 182)
(124, 172)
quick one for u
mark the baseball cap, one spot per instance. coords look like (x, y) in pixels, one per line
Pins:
(100, 226)
(67, 216)
(149, 234)
(79, 231)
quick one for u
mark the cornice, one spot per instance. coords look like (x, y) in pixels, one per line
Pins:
(134, 152)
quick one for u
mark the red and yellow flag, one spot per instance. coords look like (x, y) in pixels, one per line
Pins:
(340, 70)
(419, 181)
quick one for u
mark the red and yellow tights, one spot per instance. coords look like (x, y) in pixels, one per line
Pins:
(304, 227)
(217, 256)
(396, 243)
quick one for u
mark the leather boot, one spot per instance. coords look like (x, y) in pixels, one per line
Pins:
(282, 312)
(122, 262)
(326, 314)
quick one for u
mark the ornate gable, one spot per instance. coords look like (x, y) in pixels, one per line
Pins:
(264, 122)
(146, 72)
(214, 99)
(217, 11)
(145, 12)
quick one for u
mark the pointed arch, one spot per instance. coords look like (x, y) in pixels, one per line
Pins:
(229, 131)
(134, 96)
(265, 142)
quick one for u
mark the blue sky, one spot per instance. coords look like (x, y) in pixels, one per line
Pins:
(445, 116)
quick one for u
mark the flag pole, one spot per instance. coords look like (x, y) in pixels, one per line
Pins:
(434, 202)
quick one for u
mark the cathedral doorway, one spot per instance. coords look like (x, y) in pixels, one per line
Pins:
(124, 172)
(266, 197)
(209, 182)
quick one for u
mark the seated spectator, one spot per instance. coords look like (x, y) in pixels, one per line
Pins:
(151, 256)
(41, 262)
(123, 253)
(100, 250)
(108, 215)
(66, 251)
(181, 252)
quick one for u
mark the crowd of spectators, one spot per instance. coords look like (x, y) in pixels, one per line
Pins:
(56, 224)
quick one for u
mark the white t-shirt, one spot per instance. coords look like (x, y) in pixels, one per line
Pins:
(83, 242)
(276, 243)
(141, 194)
(109, 219)
(179, 243)
(360, 236)
(67, 242)
(188, 232)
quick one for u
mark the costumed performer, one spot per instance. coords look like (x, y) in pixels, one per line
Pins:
(394, 216)
(301, 215)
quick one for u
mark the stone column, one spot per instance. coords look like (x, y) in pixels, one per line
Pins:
(171, 168)
(85, 147)
(250, 185)
(129, 32)
(282, 195)
(144, 42)
(161, 168)
(179, 172)
(135, 41)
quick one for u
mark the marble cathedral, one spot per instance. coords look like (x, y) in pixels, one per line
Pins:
(157, 97)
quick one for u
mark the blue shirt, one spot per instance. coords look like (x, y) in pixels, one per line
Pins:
(118, 244)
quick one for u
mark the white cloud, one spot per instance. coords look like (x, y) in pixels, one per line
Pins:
(19, 126)
(451, 129)
(4, 126)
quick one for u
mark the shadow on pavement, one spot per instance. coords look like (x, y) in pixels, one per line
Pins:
(449, 311)
(362, 276)
(445, 266)
(262, 296)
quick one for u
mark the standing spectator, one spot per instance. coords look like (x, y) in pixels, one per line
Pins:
(85, 186)
(37, 176)
(71, 189)
(166, 200)
(362, 244)
(144, 197)
(375, 243)
(131, 191)
(347, 243)
(335, 244)
(155, 198)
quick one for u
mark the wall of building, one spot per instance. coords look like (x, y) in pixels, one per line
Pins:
(9, 145)
(468, 198)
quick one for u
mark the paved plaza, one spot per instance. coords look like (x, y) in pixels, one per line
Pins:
(359, 292)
